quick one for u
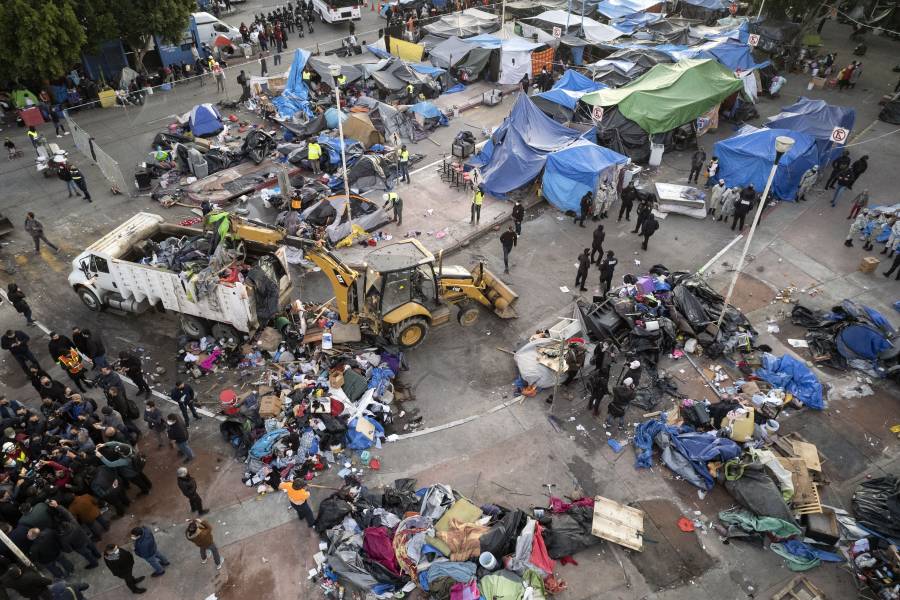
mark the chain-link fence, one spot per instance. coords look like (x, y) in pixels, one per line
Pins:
(107, 164)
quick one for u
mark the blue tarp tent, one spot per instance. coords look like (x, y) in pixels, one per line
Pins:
(816, 118)
(615, 9)
(429, 111)
(295, 97)
(484, 40)
(576, 170)
(519, 147)
(565, 93)
(205, 120)
(733, 55)
(748, 156)
(631, 23)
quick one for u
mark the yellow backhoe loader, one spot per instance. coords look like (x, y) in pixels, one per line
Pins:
(404, 290)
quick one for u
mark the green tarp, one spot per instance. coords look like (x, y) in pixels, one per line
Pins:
(670, 95)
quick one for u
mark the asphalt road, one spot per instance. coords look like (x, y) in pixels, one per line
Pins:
(507, 456)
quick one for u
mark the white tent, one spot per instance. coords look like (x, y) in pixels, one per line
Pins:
(594, 31)
(515, 59)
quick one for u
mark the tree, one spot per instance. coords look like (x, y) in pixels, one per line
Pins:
(39, 38)
(135, 22)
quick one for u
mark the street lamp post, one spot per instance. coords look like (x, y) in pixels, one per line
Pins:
(335, 71)
(783, 144)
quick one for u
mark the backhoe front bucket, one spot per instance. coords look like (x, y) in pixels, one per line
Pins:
(500, 295)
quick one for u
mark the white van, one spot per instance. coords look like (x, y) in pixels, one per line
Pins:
(207, 28)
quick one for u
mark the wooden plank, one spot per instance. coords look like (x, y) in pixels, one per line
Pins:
(809, 453)
(618, 523)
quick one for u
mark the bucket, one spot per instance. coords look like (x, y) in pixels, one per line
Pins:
(487, 561)
(772, 426)
(365, 456)
(374, 464)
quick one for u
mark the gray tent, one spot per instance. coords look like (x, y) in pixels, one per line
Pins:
(386, 119)
(320, 66)
(394, 76)
(464, 24)
(449, 52)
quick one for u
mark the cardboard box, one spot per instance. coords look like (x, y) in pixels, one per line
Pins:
(269, 406)
(818, 82)
(869, 264)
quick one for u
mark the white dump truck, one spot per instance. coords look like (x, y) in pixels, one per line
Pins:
(124, 270)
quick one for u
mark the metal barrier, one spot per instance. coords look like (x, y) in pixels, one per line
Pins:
(107, 165)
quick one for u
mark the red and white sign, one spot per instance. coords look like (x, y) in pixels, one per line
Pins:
(597, 113)
(839, 135)
(753, 39)
(557, 32)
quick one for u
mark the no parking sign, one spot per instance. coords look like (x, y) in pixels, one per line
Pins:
(597, 114)
(753, 39)
(839, 135)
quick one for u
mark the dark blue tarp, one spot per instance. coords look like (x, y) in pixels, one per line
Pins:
(793, 376)
(747, 158)
(429, 111)
(818, 119)
(520, 146)
(352, 149)
(295, 97)
(861, 341)
(735, 56)
(569, 88)
(205, 120)
(574, 171)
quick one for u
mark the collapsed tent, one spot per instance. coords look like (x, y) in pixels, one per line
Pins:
(818, 119)
(774, 34)
(668, 96)
(577, 169)
(323, 69)
(205, 121)
(560, 101)
(385, 118)
(393, 77)
(748, 158)
(332, 213)
(517, 150)
(704, 10)
(370, 171)
(295, 98)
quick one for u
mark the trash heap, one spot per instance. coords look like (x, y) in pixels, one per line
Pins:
(386, 542)
(850, 336)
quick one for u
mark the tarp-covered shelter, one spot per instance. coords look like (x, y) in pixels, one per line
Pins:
(670, 95)
(748, 156)
(669, 31)
(624, 66)
(631, 23)
(322, 68)
(577, 169)
(594, 31)
(773, 34)
(614, 9)
(204, 120)
(732, 54)
(393, 76)
(515, 59)
(295, 97)
(359, 127)
(386, 119)
(464, 24)
(707, 11)
(462, 57)
(517, 150)
(560, 101)
(370, 171)
(816, 118)
(619, 133)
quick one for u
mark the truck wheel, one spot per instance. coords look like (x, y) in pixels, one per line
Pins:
(193, 327)
(222, 331)
(90, 299)
(468, 314)
(411, 332)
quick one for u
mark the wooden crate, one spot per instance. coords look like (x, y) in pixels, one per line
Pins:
(799, 588)
(618, 523)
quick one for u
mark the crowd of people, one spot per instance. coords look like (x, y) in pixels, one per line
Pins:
(74, 457)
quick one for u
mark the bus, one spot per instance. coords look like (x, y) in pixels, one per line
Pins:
(335, 11)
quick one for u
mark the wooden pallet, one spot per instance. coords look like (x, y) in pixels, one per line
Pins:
(799, 588)
(618, 523)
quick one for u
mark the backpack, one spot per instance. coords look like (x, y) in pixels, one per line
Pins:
(131, 409)
(138, 460)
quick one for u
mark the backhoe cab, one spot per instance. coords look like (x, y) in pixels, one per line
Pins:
(402, 296)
